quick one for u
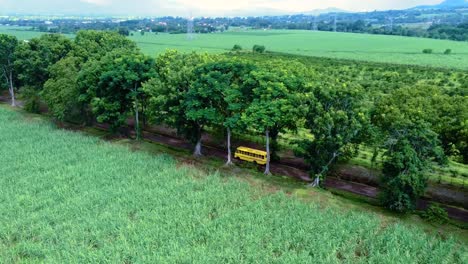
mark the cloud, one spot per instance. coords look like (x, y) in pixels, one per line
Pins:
(197, 7)
(97, 2)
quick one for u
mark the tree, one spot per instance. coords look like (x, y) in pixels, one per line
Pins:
(124, 31)
(66, 91)
(277, 100)
(336, 118)
(8, 45)
(117, 92)
(446, 114)
(427, 51)
(167, 93)
(258, 49)
(61, 91)
(34, 59)
(219, 95)
(411, 148)
(411, 145)
(237, 48)
(90, 44)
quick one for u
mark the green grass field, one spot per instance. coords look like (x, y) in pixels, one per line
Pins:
(375, 48)
(22, 33)
(69, 198)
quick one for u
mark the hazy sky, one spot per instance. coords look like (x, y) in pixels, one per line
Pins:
(196, 7)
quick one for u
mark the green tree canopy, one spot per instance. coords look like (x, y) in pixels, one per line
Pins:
(8, 46)
(407, 119)
(61, 91)
(446, 114)
(278, 100)
(219, 95)
(337, 118)
(167, 92)
(95, 44)
(34, 58)
(114, 85)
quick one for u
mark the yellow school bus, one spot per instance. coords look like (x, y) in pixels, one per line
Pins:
(251, 155)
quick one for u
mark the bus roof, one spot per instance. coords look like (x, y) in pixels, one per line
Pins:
(251, 150)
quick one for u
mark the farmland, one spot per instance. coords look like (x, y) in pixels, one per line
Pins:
(375, 48)
(22, 33)
(71, 198)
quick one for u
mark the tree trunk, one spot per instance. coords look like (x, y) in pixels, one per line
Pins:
(267, 167)
(12, 90)
(274, 144)
(316, 182)
(198, 147)
(229, 156)
(137, 119)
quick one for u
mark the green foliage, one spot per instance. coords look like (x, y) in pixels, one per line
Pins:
(34, 59)
(278, 99)
(32, 99)
(410, 150)
(411, 144)
(36, 56)
(124, 31)
(436, 214)
(258, 48)
(119, 79)
(220, 93)
(61, 92)
(237, 48)
(448, 52)
(167, 91)
(90, 44)
(446, 114)
(336, 118)
(427, 51)
(105, 203)
(8, 46)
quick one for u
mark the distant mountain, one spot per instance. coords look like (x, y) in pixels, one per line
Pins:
(255, 12)
(454, 3)
(278, 12)
(445, 4)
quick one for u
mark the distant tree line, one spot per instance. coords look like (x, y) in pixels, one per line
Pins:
(413, 117)
(448, 23)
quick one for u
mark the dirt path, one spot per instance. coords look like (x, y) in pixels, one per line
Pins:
(299, 173)
(291, 168)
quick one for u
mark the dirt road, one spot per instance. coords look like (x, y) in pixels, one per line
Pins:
(290, 168)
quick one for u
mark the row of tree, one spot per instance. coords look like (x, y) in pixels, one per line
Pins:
(102, 76)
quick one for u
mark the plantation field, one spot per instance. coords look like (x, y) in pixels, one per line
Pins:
(75, 199)
(22, 33)
(375, 48)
